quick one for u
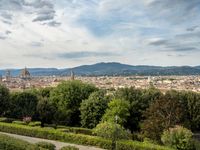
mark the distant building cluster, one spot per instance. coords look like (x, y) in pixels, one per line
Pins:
(24, 81)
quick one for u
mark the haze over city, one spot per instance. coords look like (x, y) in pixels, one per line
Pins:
(68, 33)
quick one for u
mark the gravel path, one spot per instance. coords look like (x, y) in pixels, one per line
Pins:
(56, 143)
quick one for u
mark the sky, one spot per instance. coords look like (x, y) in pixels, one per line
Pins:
(68, 33)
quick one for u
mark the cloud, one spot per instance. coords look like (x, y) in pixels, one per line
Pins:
(6, 15)
(75, 32)
(2, 37)
(36, 44)
(174, 10)
(193, 28)
(53, 24)
(159, 42)
(85, 54)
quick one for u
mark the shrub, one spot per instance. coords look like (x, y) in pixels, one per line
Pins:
(111, 130)
(53, 134)
(19, 122)
(75, 130)
(197, 144)
(69, 148)
(9, 143)
(178, 137)
(35, 124)
(6, 120)
(46, 145)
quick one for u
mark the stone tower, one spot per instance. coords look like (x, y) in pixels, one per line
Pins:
(8, 76)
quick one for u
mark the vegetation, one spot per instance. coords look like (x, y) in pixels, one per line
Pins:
(178, 138)
(46, 145)
(54, 134)
(117, 108)
(23, 104)
(69, 148)
(110, 130)
(72, 105)
(9, 143)
(67, 98)
(4, 100)
(93, 109)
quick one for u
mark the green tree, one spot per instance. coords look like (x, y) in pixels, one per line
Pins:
(193, 110)
(139, 101)
(45, 92)
(93, 109)
(162, 114)
(4, 100)
(23, 104)
(46, 110)
(67, 97)
(117, 107)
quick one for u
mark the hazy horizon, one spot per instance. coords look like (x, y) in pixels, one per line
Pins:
(70, 33)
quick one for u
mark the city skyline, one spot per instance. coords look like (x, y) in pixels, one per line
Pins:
(69, 33)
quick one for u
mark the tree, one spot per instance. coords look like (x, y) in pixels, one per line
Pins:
(46, 110)
(4, 100)
(93, 109)
(162, 114)
(23, 104)
(139, 101)
(45, 92)
(117, 107)
(193, 110)
(67, 98)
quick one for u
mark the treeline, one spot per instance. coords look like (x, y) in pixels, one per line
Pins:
(73, 103)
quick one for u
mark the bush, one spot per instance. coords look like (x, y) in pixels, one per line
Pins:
(178, 138)
(6, 120)
(69, 148)
(35, 124)
(197, 144)
(9, 143)
(111, 130)
(19, 122)
(46, 145)
(75, 130)
(53, 134)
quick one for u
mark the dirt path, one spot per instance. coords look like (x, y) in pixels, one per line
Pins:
(56, 143)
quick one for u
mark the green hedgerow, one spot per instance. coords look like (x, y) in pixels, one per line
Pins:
(46, 145)
(69, 148)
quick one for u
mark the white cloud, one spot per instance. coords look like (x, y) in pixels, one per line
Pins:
(47, 28)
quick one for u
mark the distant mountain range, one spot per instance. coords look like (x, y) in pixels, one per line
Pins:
(111, 69)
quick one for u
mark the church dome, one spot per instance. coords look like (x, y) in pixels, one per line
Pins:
(25, 73)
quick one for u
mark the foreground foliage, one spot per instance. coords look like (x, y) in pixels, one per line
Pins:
(9, 143)
(53, 134)
(46, 145)
(111, 130)
(178, 138)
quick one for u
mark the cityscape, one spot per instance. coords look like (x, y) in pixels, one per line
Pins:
(99, 75)
(25, 81)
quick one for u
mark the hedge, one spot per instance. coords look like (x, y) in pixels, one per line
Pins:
(53, 134)
(6, 120)
(69, 148)
(46, 145)
(9, 143)
(76, 130)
